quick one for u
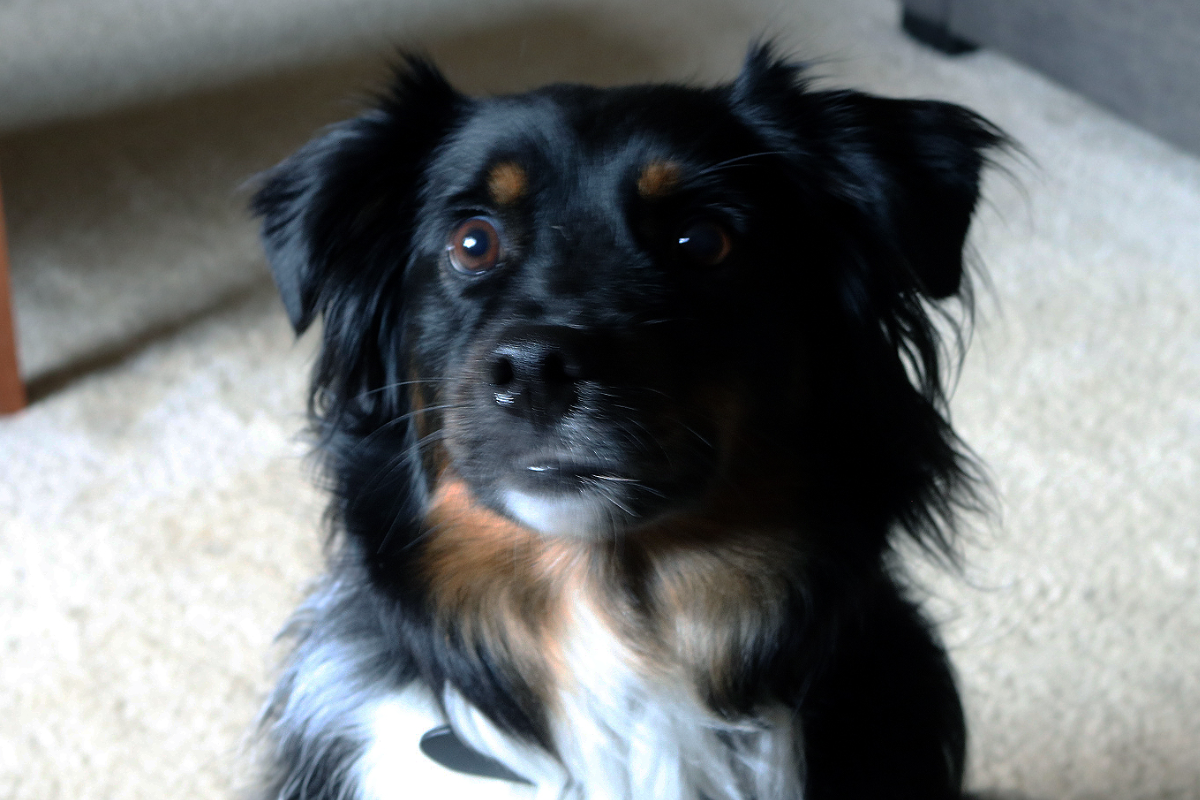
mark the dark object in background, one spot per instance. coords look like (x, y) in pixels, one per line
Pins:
(1140, 58)
(935, 34)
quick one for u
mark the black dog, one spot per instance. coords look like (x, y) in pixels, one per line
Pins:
(624, 396)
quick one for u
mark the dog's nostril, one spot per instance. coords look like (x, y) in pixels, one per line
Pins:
(502, 371)
(556, 369)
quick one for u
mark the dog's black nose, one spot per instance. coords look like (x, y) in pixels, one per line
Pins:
(535, 371)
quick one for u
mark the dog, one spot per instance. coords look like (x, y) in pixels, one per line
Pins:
(626, 398)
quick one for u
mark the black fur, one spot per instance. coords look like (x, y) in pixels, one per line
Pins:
(847, 215)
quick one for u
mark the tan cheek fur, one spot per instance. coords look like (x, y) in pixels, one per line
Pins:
(499, 584)
(716, 601)
(712, 592)
(717, 579)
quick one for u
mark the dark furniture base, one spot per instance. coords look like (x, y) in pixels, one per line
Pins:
(12, 390)
(1139, 58)
(934, 33)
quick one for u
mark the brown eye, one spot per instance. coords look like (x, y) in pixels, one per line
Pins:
(474, 246)
(705, 243)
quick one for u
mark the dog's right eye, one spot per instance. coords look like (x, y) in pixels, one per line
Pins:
(474, 246)
(705, 243)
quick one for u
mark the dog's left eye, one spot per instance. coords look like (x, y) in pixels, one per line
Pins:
(474, 246)
(705, 242)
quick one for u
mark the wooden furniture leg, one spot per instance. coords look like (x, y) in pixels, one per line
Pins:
(12, 390)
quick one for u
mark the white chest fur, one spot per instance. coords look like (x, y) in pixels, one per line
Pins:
(624, 733)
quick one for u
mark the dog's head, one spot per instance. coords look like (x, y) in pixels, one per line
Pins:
(597, 309)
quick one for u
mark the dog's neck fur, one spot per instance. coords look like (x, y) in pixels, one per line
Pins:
(627, 650)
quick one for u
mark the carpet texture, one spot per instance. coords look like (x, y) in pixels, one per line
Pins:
(158, 519)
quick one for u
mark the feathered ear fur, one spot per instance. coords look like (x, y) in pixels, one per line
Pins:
(351, 191)
(891, 186)
(337, 223)
(911, 167)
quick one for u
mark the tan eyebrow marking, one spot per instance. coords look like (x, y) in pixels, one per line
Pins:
(658, 179)
(507, 182)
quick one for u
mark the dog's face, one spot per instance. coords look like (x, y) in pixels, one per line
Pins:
(593, 302)
(600, 309)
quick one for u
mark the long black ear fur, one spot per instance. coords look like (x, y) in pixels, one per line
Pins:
(349, 195)
(892, 184)
(911, 166)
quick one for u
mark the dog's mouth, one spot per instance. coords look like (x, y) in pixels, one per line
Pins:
(589, 493)
(564, 475)
(560, 496)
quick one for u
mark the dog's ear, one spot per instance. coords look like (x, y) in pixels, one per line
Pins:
(890, 186)
(915, 165)
(347, 199)
(910, 167)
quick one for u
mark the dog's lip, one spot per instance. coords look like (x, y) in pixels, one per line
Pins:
(558, 468)
(562, 469)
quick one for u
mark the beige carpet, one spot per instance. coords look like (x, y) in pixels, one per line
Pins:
(157, 521)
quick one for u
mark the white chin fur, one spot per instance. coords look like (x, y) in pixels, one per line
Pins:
(560, 515)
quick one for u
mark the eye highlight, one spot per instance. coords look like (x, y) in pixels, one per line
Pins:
(705, 243)
(474, 246)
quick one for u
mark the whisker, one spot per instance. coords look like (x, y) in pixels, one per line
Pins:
(399, 384)
(737, 160)
(426, 532)
(400, 420)
(611, 497)
(402, 459)
(696, 433)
